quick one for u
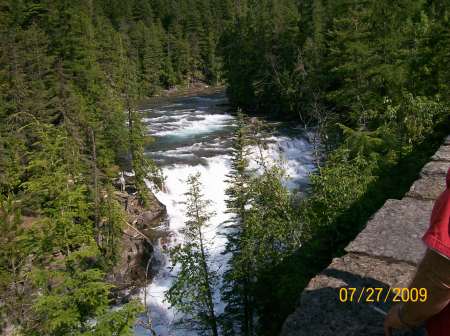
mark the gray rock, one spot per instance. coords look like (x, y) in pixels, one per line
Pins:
(447, 140)
(395, 231)
(322, 313)
(427, 188)
(435, 168)
(443, 154)
(137, 243)
(149, 219)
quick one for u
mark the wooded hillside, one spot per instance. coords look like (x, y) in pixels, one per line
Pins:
(71, 75)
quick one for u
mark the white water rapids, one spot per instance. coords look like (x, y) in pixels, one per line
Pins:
(194, 135)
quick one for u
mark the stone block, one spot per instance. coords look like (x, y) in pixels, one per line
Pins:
(443, 154)
(435, 168)
(427, 188)
(395, 231)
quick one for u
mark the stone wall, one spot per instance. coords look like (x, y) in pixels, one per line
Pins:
(385, 254)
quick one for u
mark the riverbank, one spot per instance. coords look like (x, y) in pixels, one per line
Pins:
(142, 229)
(198, 88)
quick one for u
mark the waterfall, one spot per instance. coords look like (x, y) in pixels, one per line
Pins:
(194, 135)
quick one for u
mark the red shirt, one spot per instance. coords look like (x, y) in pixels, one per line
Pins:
(437, 238)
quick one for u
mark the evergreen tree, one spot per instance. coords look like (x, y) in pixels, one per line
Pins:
(192, 291)
(13, 258)
(80, 297)
(237, 289)
(263, 227)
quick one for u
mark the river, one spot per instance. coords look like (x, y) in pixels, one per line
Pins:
(193, 134)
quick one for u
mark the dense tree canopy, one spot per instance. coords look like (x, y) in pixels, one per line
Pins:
(369, 77)
(348, 56)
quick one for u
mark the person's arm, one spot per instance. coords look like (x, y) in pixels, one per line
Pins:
(433, 274)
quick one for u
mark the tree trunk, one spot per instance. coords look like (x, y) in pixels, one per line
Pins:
(212, 315)
(210, 303)
(95, 180)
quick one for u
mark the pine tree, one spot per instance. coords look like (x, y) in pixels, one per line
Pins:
(80, 297)
(192, 291)
(351, 55)
(148, 57)
(237, 289)
(14, 287)
(263, 228)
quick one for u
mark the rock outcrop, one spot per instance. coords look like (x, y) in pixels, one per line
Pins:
(385, 254)
(144, 227)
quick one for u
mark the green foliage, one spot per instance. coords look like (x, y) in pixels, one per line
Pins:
(272, 225)
(343, 176)
(368, 65)
(264, 227)
(371, 76)
(416, 116)
(68, 71)
(75, 300)
(112, 219)
(117, 322)
(236, 289)
(259, 52)
(56, 190)
(173, 42)
(361, 142)
(191, 292)
(13, 151)
(13, 259)
(347, 56)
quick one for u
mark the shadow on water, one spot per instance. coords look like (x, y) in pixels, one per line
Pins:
(279, 288)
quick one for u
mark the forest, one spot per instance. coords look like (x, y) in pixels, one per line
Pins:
(370, 78)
